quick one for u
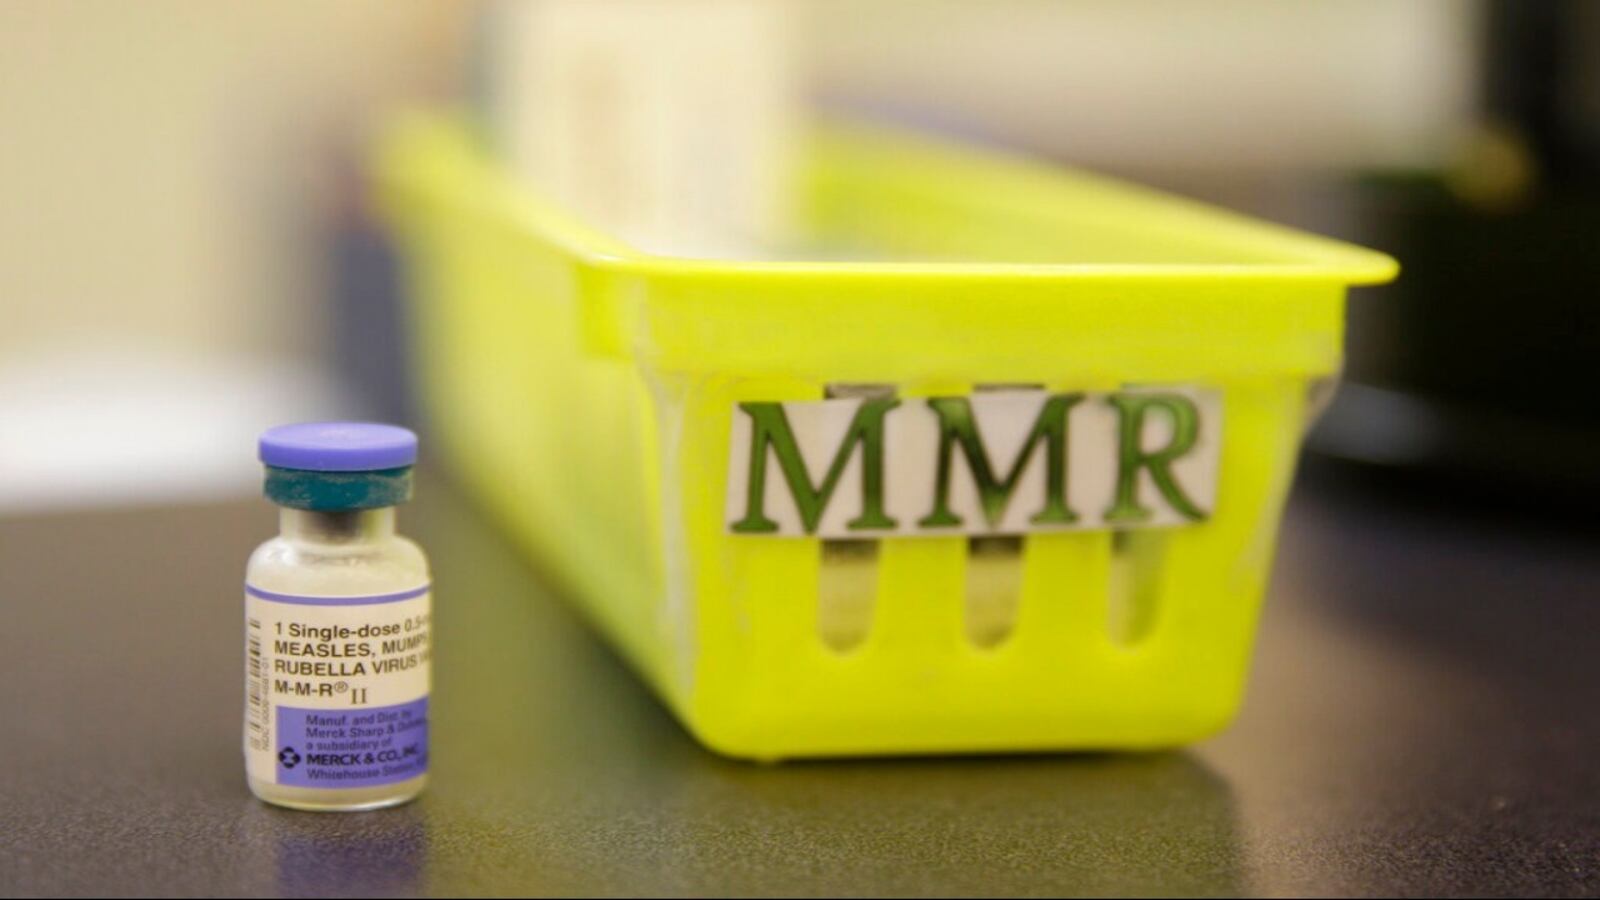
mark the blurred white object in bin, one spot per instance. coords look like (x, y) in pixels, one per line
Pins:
(665, 122)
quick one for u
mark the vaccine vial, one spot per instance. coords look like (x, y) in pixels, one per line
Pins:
(337, 624)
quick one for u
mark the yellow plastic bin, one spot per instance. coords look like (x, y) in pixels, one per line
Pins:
(592, 396)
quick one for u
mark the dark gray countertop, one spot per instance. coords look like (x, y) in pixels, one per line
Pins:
(1422, 718)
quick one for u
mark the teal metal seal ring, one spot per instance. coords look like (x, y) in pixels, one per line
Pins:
(337, 491)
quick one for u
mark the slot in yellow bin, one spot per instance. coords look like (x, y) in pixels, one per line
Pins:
(586, 392)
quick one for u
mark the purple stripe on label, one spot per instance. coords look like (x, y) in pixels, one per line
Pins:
(336, 601)
(352, 748)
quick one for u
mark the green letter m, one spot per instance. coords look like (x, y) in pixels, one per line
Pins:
(769, 427)
(958, 427)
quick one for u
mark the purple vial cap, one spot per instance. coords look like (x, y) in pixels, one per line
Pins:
(338, 447)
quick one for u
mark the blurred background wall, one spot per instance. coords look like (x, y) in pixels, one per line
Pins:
(1167, 84)
(173, 173)
(170, 167)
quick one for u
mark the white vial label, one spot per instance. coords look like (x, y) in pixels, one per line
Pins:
(336, 688)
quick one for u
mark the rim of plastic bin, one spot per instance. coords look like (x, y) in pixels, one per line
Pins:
(338, 447)
(434, 153)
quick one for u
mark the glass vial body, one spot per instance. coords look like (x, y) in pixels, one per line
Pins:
(337, 657)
